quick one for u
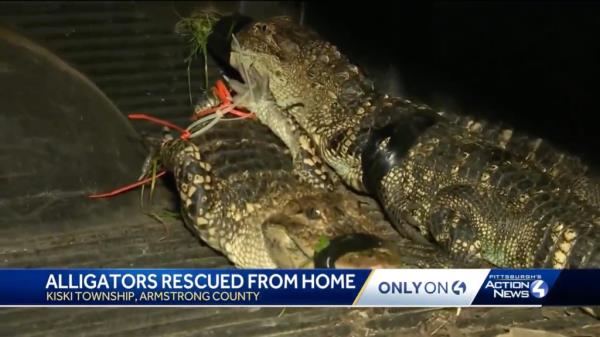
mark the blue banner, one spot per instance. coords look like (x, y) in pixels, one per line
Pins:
(315, 287)
(228, 287)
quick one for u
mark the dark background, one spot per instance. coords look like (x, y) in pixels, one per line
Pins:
(534, 65)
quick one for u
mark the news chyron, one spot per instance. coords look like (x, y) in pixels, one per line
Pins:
(285, 288)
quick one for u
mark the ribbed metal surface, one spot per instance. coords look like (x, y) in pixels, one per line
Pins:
(124, 47)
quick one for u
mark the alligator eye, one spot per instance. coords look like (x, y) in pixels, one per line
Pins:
(312, 213)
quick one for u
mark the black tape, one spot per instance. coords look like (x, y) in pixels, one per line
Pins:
(219, 41)
(344, 244)
(402, 132)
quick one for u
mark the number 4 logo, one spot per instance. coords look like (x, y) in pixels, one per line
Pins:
(538, 288)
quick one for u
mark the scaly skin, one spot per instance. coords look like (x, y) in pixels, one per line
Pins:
(474, 195)
(240, 195)
(565, 169)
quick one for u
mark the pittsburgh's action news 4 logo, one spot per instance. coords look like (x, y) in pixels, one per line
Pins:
(517, 286)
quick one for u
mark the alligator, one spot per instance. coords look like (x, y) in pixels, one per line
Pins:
(240, 195)
(442, 178)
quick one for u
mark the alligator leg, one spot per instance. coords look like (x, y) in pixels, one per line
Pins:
(308, 166)
(195, 183)
(474, 225)
(458, 221)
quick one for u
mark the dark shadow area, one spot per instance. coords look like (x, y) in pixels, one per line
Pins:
(533, 65)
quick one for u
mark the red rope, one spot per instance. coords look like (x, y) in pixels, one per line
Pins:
(127, 187)
(220, 90)
(185, 134)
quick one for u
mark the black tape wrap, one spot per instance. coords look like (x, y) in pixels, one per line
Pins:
(344, 244)
(403, 127)
(219, 41)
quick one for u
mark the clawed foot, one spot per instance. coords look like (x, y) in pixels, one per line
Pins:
(252, 94)
(313, 177)
(255, 96)
(154, 143)
(311, 169)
